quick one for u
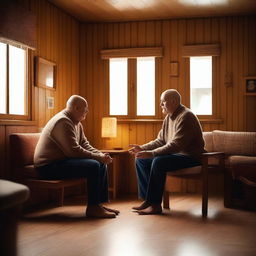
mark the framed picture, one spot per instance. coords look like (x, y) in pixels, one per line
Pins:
(174, 69)
(45, 73)
(250, 84)
(50, 102)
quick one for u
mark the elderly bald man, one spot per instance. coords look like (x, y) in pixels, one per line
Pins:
(179, 145)
(64, 152)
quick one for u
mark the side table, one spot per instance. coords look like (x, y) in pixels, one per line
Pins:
(115, 154)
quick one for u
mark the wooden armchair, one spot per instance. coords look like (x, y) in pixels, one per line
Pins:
(211, 162)
(22, 147)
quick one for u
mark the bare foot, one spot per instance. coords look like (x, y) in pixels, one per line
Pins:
(116, 212)
(152, 209)
(143, 206)
(96, 211)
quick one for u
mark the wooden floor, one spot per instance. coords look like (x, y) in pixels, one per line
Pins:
(179, 232)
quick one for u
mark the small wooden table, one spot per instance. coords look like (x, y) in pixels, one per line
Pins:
(114, 168)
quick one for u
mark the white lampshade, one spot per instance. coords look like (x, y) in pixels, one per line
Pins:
(108, 128)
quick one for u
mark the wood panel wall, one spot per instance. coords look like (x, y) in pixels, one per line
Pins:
(237, 38)
(57, 41)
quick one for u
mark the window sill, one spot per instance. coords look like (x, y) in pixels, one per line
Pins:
(211, 120)
(138, 121)
(18, 122)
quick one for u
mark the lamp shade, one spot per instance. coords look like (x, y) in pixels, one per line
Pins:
(108, 128)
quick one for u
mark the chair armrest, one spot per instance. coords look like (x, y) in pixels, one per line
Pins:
(214, 154)
(219, 155)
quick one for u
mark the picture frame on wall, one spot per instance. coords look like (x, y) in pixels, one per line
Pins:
(250, 85)
(50, 102)
(45, 73)
(174, 69)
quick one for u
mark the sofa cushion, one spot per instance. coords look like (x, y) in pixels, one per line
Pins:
(243, 166)
(235, 143)
(208, 141)
(12, 194)
(22, 148)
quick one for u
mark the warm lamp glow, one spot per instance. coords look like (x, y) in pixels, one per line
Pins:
(108, 128)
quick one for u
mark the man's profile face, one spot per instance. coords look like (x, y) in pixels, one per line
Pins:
(166, 104)
(81, 111)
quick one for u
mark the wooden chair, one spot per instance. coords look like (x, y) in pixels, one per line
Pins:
(211, 162)
(22, 147)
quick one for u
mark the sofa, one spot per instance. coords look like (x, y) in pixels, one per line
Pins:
(240, 165)
(12, 196)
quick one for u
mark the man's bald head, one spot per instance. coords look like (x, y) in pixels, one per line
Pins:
(172, 94)
(75, 100)
(170, 101)
(77, 107)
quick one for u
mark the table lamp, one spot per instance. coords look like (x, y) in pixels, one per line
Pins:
(109, 128)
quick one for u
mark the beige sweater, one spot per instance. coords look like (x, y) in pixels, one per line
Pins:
(61, 138)
(181, 133)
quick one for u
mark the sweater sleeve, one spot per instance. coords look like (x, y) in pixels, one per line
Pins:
(64, 135)
(182, 137)
(159, 141)
(85, 143)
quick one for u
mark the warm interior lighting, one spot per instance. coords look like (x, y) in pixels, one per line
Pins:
(109, 127)
(131, 4)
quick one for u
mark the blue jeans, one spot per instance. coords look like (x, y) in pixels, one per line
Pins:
(94, 171)
(151, 174)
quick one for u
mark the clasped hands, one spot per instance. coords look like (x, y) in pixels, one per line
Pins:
(138, 152)
(104, 158)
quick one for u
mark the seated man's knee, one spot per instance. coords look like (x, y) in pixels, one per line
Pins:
(157, 163)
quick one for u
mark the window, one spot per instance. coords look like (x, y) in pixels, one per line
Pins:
(201, 85)
(145, 86)
(141, 89)
(118, 86)
(13, 81)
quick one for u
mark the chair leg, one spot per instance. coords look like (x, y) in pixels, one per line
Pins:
(166, 203)
(205, 192)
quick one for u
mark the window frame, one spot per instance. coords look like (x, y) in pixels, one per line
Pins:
(132, 91)
(131, 54)
(27, 95)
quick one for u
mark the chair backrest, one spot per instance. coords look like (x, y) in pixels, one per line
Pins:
(22, 147)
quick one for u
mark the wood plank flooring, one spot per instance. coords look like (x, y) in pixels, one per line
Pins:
(179, 232)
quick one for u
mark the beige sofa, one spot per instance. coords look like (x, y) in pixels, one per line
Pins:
(240, 165)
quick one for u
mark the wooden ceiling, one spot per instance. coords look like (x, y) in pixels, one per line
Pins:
(128, 10)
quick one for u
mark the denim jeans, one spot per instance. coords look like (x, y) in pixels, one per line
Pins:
(151, 174)
(94, 171)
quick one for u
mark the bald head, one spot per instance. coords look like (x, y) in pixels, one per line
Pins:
(170, 101)
(75, 100)
(77, 107)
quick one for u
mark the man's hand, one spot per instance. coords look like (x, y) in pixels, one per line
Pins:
(144, 154)
(104, 158)
(135, 149)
